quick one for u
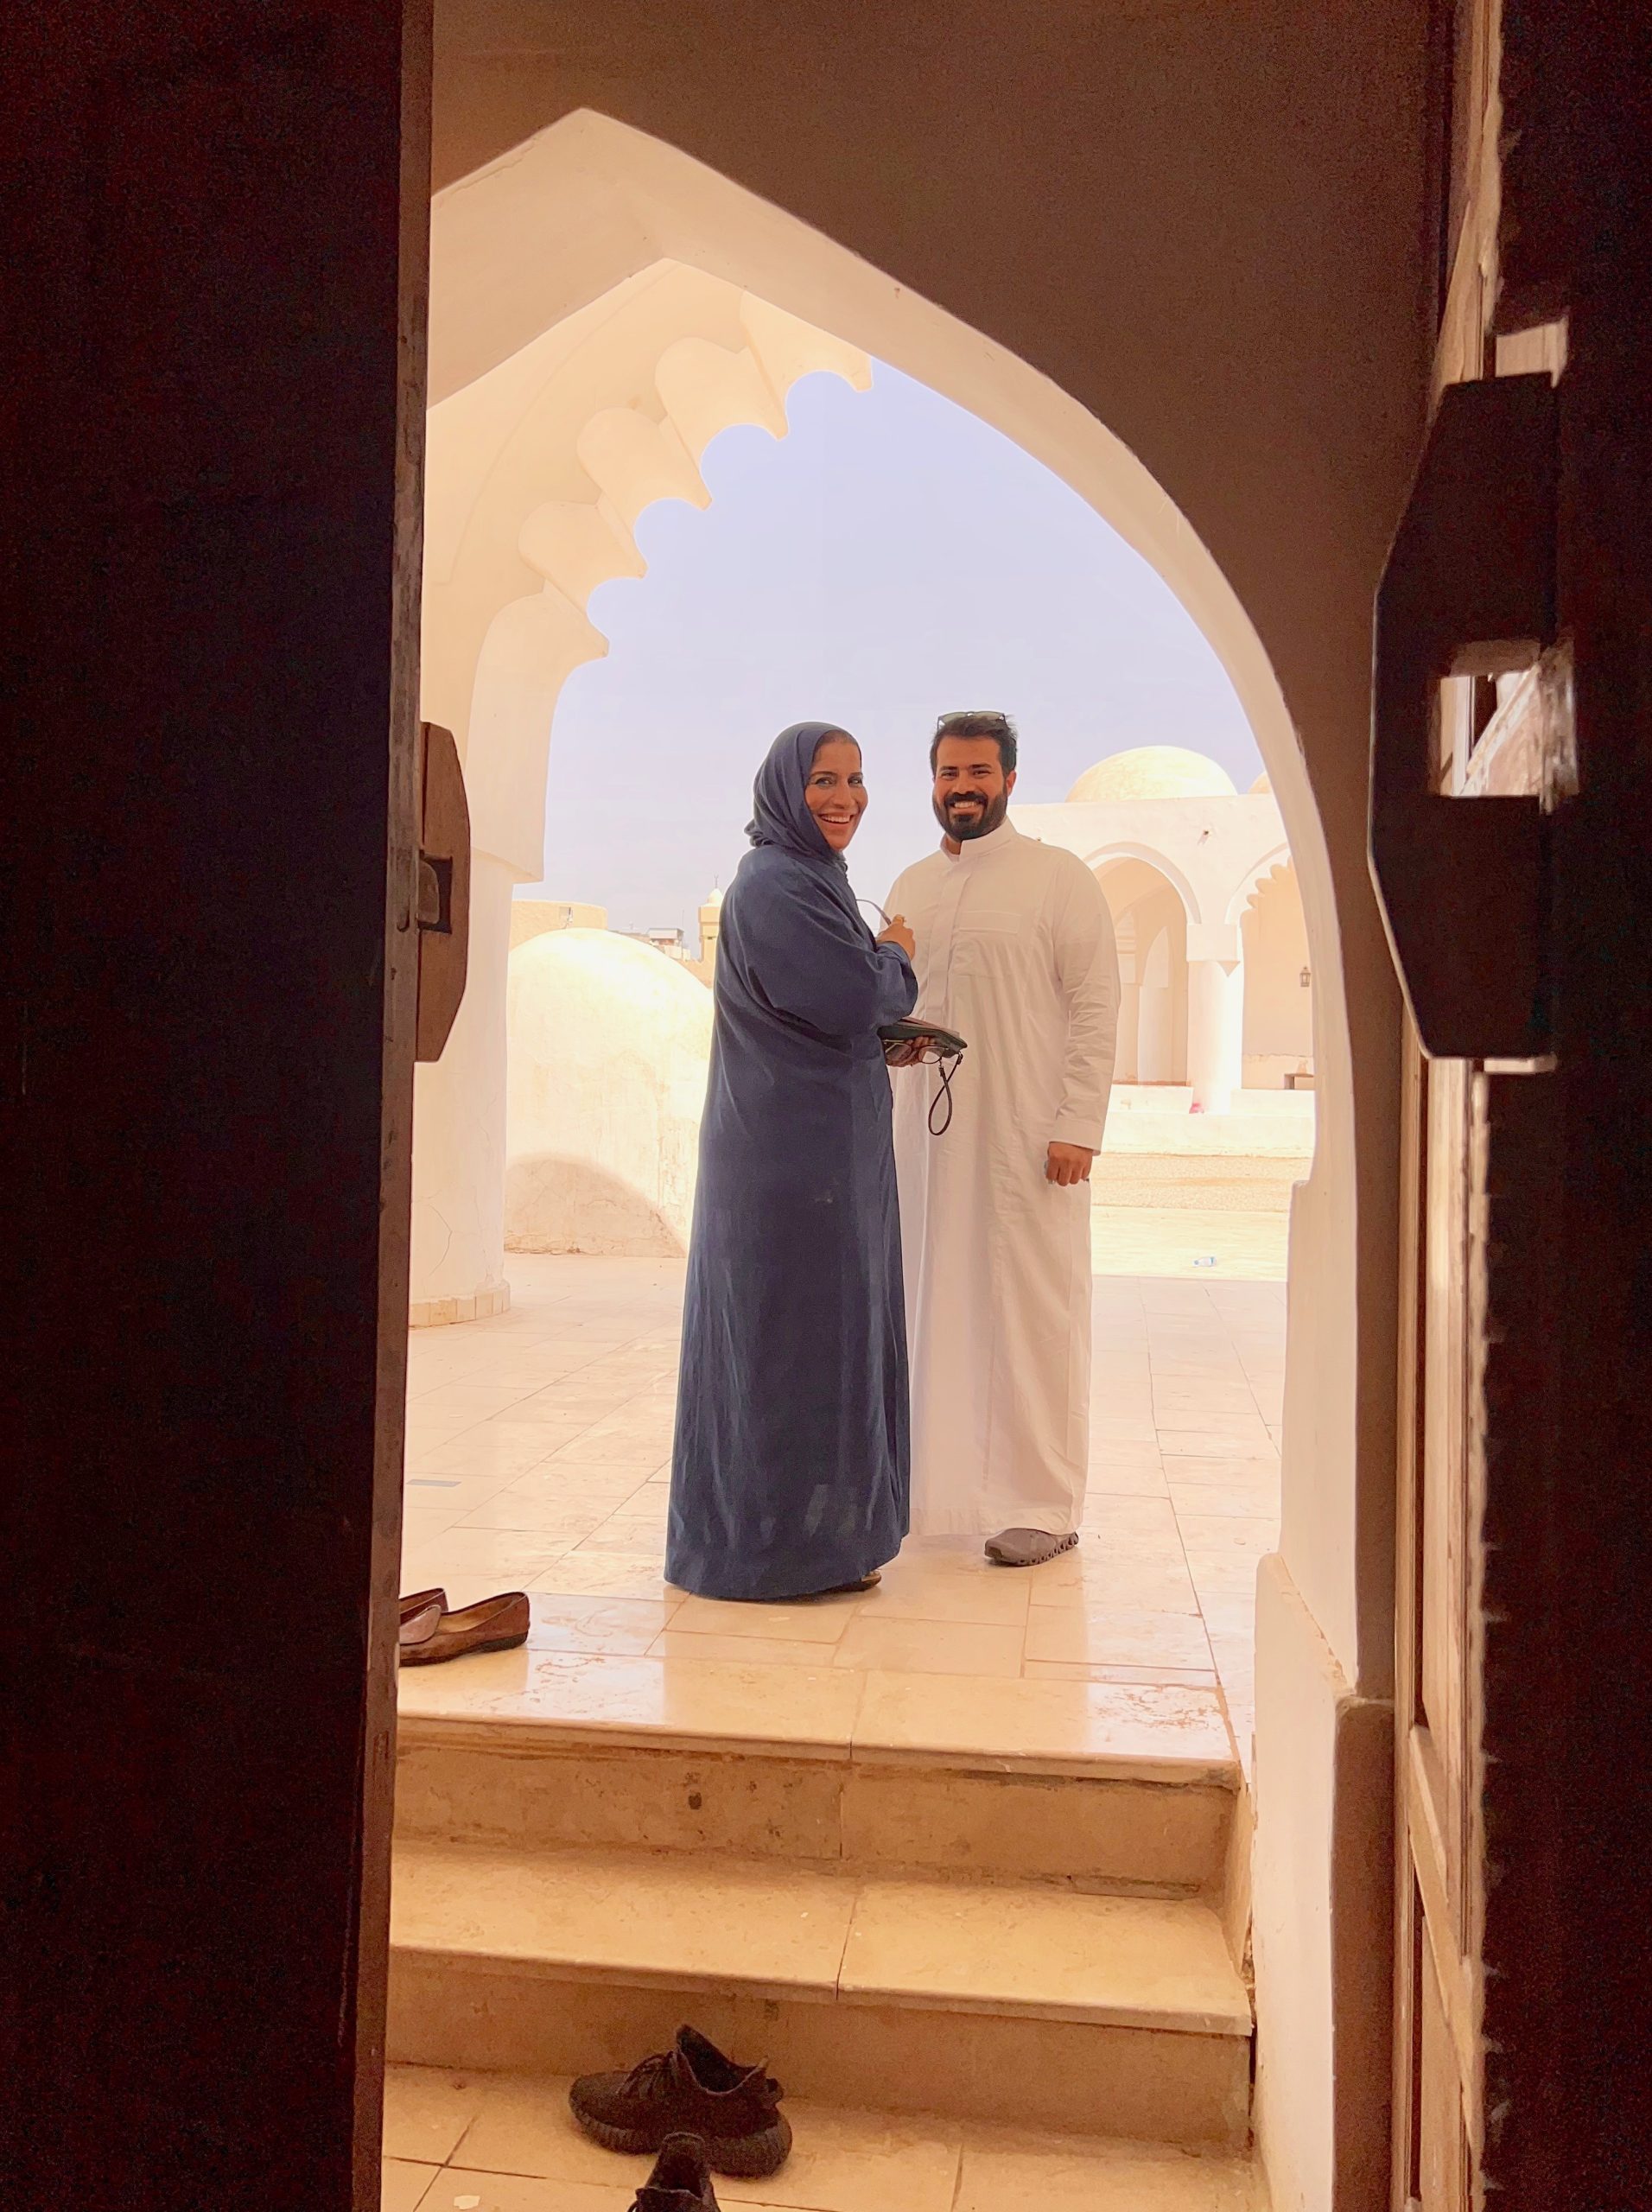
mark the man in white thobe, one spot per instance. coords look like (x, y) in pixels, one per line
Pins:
(1015, 954)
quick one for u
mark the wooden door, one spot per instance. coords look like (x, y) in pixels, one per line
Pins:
(1516, 879)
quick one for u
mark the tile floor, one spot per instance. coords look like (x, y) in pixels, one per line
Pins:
(504, 2143)
(1199, 1243)
(537, 1456)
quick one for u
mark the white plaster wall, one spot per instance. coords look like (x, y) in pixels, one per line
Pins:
(458, 1252)
(609, 1046)
(1278, 1011)
(1325, 1840)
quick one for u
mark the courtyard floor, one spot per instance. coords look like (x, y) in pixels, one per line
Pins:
(538, 1446)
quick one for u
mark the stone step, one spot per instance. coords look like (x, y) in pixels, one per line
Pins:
(505, 2143)
(1014, 2002)
(1091, 1786)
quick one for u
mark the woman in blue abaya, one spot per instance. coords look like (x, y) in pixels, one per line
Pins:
(789, 1474)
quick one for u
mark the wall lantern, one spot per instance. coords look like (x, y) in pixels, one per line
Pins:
(1306, 978)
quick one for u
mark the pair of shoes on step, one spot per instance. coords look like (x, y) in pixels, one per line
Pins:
(430, 1633)
(698, 2110)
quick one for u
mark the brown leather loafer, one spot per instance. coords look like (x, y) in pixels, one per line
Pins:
(422, 1617)
(493, 1625)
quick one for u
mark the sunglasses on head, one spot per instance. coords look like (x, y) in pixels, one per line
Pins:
(988, 715)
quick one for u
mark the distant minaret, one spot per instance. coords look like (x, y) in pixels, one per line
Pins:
(710, 923)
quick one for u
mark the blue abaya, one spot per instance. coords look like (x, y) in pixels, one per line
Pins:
(791, 1471)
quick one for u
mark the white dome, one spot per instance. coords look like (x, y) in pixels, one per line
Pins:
(1152, 772)
(1261, 788)
(606, 1080)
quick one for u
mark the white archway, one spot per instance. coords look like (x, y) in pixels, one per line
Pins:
(588, 205)
(1151, 912)
(546, 233)
(537, 474)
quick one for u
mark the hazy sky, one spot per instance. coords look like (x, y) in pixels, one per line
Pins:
(889, 559)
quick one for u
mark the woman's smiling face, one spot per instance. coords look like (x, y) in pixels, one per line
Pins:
(836, 791)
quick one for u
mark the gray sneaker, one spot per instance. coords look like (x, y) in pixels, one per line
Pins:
(1027, 1547)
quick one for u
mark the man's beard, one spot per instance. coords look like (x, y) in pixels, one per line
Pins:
(991, 815)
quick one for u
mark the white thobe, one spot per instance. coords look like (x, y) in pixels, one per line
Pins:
(1016, 954)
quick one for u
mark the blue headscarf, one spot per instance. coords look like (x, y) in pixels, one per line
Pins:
(781, 812)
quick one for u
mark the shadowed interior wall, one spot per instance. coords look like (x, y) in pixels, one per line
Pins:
(218, 224)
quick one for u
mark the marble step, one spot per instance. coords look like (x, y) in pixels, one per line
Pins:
(1018, 2003)
(505, 2143)
(1094, 1786)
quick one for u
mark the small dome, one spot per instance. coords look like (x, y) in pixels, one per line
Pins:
(714, 897)
(1261, 788)
(1152, 772)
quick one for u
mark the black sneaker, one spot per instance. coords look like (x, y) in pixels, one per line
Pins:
(691, 2089)
(681, 2181)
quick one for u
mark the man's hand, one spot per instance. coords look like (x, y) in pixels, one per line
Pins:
(1068, 1163)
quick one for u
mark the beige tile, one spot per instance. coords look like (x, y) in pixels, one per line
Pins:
(937, 1587)
(427, 2110)
(1037, 1826)
(1049, 1954)
(1129, 1482)
(737, 1650)
(820, 1620)
(805, 1710)
(456, 1494)
(1141, 1585)
(1117, 1637)
(1004, 2173)
(858, 2162)
(1055, 1670)
(458, 2190)
(1231, 1573)
(1044, 1727)
(1193, 1468)
(402, 2185)
(1256, 1500)
(1140, 1520)
(1229, 1441)
(553, 1409)
(522, 2126)
(586, 1622)
(1218, 1532)
(492, 1448)
(840, 2161)
(619, 1916)
(479, 1400)
(921, 1647)
(606, 1574)
(627, 1533)
(539, 1516)
(453, 1787)
(513, 1554)
(419, 1527)
(1108, 1427)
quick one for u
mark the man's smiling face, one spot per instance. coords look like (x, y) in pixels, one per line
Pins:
(971, 789)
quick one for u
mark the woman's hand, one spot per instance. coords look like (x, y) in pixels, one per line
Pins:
(897, 933)
(904, 1053)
